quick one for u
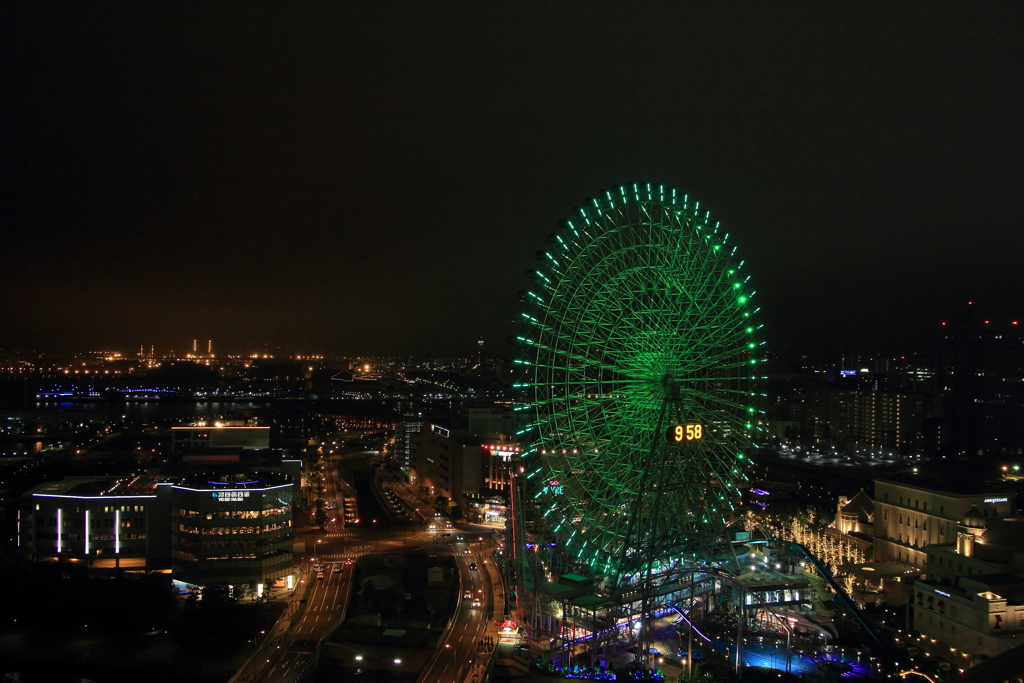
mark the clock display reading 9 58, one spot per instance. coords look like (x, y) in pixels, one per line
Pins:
(684, 433)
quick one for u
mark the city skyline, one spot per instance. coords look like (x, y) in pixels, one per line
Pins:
(362, 181)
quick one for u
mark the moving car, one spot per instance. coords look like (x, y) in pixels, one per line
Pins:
(467, 594)
(472, 566)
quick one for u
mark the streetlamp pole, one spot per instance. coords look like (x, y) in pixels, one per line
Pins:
(689, 638)
(789, 632)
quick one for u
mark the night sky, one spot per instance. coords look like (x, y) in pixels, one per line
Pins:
(371, 178)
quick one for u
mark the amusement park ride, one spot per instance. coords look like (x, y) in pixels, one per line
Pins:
(641, 360)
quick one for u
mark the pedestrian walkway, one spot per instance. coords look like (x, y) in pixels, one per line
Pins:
(353, 552)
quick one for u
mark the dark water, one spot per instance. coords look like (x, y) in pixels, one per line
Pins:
(55, 416)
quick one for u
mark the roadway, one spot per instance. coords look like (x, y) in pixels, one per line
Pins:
(459, 650)
(326, 599)
(326, 602)
(318, 607)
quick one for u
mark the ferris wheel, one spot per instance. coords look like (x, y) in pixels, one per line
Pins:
(641, 361)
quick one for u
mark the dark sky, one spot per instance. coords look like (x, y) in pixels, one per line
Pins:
(361, 177)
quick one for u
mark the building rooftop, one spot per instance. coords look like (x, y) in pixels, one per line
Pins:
(96, 487)
(952, 485)
(233, 482)
(860, 505)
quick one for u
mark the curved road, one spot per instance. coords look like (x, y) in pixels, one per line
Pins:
(326, 600)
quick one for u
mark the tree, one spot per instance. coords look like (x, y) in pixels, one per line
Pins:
(321, 514)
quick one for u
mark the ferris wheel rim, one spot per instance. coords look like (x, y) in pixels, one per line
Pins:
(563, 411)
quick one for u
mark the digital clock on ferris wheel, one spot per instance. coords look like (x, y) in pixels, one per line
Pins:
(683, 433)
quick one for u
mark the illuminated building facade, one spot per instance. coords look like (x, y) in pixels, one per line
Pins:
(231, 529)
(219, 435)
(972, 602)
(100, 522)
(972, 618)
(204, 530)
(908, 518)
(437, 463)
(404, 432)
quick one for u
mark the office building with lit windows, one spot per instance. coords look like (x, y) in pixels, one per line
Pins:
(222, 529)
(231, 529)
(99, 522)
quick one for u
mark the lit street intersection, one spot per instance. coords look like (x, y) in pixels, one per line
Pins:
(321, 599)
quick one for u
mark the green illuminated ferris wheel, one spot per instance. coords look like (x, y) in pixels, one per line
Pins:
(641, 362)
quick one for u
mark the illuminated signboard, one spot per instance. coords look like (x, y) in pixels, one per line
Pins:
(503, 451)
(230, 495)
(683, 433)
(556, 487)
(997, 500)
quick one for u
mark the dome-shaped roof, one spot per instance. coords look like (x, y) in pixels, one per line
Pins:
(974, 519)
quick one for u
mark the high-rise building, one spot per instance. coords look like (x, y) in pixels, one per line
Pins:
(405, 429)
(983, 378)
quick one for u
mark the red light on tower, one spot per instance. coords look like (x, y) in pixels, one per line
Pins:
(1014, 322)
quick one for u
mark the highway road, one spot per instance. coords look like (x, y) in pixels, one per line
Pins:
(325, 606)
(327, 598)
(460, 650)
